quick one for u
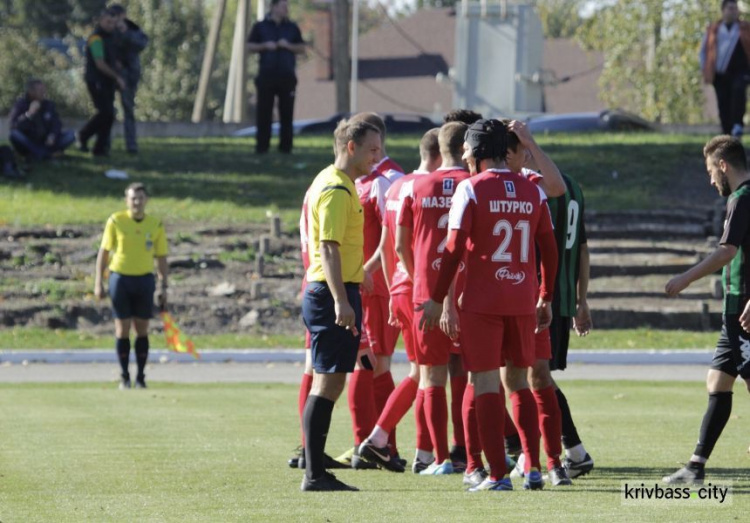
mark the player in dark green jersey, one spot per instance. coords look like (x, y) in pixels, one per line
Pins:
(570, 308)
(726, 164)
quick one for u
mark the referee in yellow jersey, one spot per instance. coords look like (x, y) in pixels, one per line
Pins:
(130, 243)
(332, 307)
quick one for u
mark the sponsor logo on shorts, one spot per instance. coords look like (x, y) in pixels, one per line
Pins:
(503, 273)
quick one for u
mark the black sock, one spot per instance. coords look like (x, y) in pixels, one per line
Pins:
(122, 346)
(569, 433)
(714, 420)
(141, 355)
(316, 420)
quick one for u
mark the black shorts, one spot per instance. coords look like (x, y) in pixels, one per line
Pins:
(132, 296)
(732, 354)
(334, 348)
(559, 332)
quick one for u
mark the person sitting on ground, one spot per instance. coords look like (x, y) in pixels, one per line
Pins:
(35, 128)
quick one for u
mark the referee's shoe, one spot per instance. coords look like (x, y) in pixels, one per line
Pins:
(325, 483)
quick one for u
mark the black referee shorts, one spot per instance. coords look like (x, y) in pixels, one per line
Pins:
(334, 348)
(559, 332)
(732, 354)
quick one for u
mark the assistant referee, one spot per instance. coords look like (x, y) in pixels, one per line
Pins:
(332, 307)
(133, 239)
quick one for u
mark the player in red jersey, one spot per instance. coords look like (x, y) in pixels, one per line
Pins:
(526, 157)
(419, 243)
(386, 166)
(401, 313)
(496, 216)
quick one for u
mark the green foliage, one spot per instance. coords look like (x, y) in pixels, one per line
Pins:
(560, 18)
(651, 56)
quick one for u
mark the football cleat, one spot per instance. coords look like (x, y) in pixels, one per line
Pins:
(488, 484)
(690, 474)
(380, 455)
(438, 469)
(475, 477)
(533, 480)
(578, 468)
(559, 477)
(326, 483)
(418, 466)
(458, 458)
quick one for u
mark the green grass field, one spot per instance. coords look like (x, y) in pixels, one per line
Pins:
(39, 338)
(218, 452)
(221, 180)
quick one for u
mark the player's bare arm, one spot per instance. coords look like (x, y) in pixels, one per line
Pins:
(431, 313)
(371, 265)
(582, 321)
(330, 257)
(552, 183)
(102, 261)
(404, 249)
(449, 318)
(162, 270)
(715, 261)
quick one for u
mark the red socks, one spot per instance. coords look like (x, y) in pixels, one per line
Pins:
(398, 404)
(525, 412)
(361, 404)
(436, 412)
(458, 385)
(550, 424)
(510, 427)
(490, 432)
(423, 433)
(304, 391)
(384, 387)
(471, 431)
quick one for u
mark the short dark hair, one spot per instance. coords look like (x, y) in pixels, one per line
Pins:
(727, 148)
(513, 141)
(351, 130)
(372, 119)
(116, 9)
(135, 187)
(725, 2)
(33, 82)
(466, 116)
(429, 146)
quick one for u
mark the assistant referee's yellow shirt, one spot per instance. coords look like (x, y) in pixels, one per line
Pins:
(335, 214)
(133, 245)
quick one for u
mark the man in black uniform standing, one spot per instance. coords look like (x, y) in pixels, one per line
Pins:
(101, 80)
(726, 164)
(277, 40)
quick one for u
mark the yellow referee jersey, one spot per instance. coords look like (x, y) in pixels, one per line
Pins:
(335, 214)
(133, 244)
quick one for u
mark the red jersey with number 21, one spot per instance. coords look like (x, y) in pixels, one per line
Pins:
(502, 213)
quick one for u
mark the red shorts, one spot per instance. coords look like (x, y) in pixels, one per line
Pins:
(383, 337)
(488, 340)
(403, 309)
(433, 347)
(543, 345)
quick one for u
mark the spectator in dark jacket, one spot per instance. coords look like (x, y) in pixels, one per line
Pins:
(131, 41)
(35, 128)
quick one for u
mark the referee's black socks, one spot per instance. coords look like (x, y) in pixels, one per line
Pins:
(714, 421)
(141, 354)
(122, 346)
(316, 421)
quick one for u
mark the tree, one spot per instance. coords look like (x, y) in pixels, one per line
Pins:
(560, 18)
(651, 56)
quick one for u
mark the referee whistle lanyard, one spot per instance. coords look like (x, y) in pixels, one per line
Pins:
(176, 340)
